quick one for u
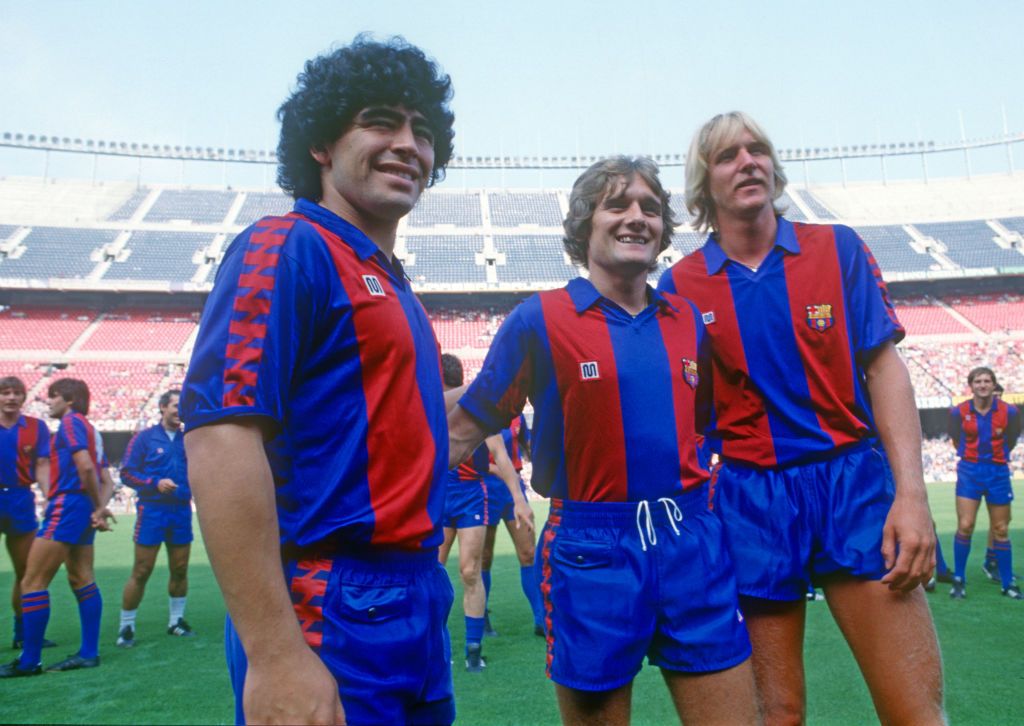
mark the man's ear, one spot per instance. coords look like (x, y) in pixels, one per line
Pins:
(321, 155)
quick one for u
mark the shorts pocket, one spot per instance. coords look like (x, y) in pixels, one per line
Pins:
(583, 554)
(366, 604)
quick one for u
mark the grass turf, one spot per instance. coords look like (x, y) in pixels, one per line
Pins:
(183, 680)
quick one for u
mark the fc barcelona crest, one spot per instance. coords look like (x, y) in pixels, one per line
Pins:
(819, 317)
(690, 373)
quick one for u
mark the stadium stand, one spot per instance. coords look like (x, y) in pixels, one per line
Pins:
(792, 211)
(42, 329)
(533, 259)
(6, 230)
(810, 201)
(923, 317)
(131, 205)
(263, 204)
(191, 205)
(153, 255)
(57, 253)
(458, 209)
(515, 209)
(890, 245)
(445, 259)
(135, 330)
(970, 244)
(1002, 314)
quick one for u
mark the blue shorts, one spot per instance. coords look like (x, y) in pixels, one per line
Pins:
(975, 479)
(68, 519)
(159, 523)
(626, 580)
(378, 622)
(787, 527)
(465, 505)
(17, 511)
(500, 506)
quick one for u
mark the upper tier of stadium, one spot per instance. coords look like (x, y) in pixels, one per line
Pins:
(66, 234)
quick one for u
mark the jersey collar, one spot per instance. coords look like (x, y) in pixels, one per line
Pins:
(785, 237)
(584, 295)
(351, 235)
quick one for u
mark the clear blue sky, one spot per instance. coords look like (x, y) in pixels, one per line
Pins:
(530, 77)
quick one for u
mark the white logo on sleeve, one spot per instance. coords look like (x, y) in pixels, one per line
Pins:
(374, 286)
(589, 371)
(708, 317)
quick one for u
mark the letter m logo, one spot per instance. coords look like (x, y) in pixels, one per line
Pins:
(374, 286)
(589, 371)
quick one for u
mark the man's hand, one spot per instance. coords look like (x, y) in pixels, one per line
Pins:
(908, 544)
(99, 518)
(291, 689)
(166, 486)
(524, 514)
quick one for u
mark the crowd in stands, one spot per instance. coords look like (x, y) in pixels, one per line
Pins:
(940, 369)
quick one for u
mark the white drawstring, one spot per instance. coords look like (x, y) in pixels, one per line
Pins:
(672, 511)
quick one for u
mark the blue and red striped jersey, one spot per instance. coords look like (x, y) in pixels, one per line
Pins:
(513, 437)
(616, 398)
(153, 455)
(789, 341)
(312, 328)
(75, 433)
(20, 447)
(474, 468)
(986, 438)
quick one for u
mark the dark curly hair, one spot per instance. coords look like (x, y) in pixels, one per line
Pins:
(336, 86)
(600, 180)
(451, 370)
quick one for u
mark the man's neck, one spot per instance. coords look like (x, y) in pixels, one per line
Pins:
(748, 240)
(627, 291)
(170, 429)
(382, 232)
(984, 405)
(7, 420)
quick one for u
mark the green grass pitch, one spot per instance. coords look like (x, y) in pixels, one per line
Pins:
(166, 680)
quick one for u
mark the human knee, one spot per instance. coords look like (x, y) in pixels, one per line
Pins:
(526, 555)
(1000, 531)
(965, 527)
(141, 571)
(469, 572)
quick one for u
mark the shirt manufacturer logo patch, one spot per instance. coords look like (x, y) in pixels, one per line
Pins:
(374, 286)
(690, 374)
(589, 371)
(819, 317)
(708, 317)
(27, 448)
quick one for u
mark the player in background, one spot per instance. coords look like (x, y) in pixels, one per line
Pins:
(76, 509)
(989, 565)
(465, 517)
(24, 460)
(984, 430)
(618, 378)
(812, 405)
(501, 508)
(155, 467)
(314, 360)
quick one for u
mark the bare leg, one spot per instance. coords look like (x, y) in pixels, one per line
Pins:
(471, 549)
(777, 636)
(18, 548)
(177, 562)
(893, 639)
(135, 587)
(594, 708)
(726, 697)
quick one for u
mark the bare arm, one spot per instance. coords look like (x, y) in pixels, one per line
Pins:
(43, 476)
(908, 539)
(503, 468)
(464, 435)
(234, 491)
(102, 514)
(88, 476)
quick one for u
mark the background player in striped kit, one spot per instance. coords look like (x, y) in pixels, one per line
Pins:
(155, 467)
(24, 460)
(984, 430)
(76, 509)
(632, 557)
(808, 389)
(314, 359)
(466, 517)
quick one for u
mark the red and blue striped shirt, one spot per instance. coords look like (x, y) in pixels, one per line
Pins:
(616, 397)
(985, 438)
(790, 341)
(20, 447)
(74, 434)
(310, 327)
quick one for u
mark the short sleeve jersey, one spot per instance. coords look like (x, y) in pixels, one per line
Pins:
(511, 437)
(20, 447)
(789, 341)
(74, 434)
(474, 468)
(311, 328)
(985, 438)
(616, 397)
(153, 455)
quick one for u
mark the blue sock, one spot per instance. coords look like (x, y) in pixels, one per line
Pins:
(990, 554)
(1004, 561)
(528, 580)
(961, 549)
(941, 567)
(474, 631)
(19, 628)
(90, 610)
(35, 610)
(485, 575)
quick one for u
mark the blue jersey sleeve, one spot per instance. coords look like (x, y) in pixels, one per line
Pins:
(1013, 427)
(76, 433)
(133, 472)
(255, 325)
(499, 392)
(869, 309)
(42, 440)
